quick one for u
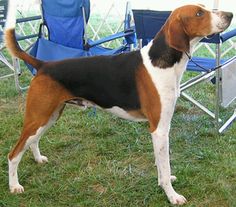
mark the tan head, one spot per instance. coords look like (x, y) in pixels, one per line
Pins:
(194, 21)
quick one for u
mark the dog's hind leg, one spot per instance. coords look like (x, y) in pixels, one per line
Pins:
(45, 102)
(34, 140)
(30, 136)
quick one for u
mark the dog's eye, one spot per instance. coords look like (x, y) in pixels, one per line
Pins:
(200, 13)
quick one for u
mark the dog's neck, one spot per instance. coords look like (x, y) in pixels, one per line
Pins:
(164, 56)
(161, 54)
(193, 42)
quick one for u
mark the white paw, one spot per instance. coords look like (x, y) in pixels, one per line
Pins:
(17, 189)
(41, 159)
(177, 199)
(173, 178)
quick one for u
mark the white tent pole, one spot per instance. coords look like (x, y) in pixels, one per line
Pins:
(216, 4)
(217, 77)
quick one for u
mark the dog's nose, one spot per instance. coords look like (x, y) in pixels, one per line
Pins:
(228, 16)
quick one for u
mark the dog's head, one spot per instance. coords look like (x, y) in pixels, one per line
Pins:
(194, 21)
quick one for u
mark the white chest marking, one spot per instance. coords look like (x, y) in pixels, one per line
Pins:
(165, 80)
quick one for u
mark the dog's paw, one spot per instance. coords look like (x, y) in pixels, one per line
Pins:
(173, 178)
(17, 189)
(42, 159)
(177, 199)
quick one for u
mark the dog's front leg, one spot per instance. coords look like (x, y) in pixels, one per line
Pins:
(161, 146)
(155, 147)
(179, 73)
(160, 138)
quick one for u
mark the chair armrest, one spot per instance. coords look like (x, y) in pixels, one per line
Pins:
(23, 20)
(227, 35)
(1, 36)
(28, 19)
(26, 37)
(215, 39)
(118, 35)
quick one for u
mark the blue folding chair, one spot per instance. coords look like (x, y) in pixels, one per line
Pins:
(66, 27)
(10, 70)
(149, 22)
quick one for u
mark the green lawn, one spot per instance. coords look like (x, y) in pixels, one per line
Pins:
(102, 160)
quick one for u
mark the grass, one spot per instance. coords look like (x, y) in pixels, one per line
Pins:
(104, 161)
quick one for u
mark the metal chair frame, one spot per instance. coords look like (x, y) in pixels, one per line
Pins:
(3, 59)
(14, 69)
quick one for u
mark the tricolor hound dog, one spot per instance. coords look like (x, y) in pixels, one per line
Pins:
(139, 85)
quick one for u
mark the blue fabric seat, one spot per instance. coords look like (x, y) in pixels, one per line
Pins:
(66, 22)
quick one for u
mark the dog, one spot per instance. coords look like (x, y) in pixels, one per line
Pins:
(139, 85)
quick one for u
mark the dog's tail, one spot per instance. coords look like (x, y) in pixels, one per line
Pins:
(10, 38)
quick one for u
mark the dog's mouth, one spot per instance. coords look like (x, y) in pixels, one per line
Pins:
(210, 36)
(223, 20)
(220, 29)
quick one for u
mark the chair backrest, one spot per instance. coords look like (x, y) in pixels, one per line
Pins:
(65, 20)
(3, 12)
(149, 22)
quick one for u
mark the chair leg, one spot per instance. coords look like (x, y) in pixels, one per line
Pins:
(200, 106)
(17, 73)
(217, 89)
(228, 122)
(10, 67)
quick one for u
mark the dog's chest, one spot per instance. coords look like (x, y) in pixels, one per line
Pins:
(166, 81)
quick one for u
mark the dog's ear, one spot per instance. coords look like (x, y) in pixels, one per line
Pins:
(177, 37)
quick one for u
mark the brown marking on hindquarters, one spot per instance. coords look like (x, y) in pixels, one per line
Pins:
(44, 97)
(149, 97)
